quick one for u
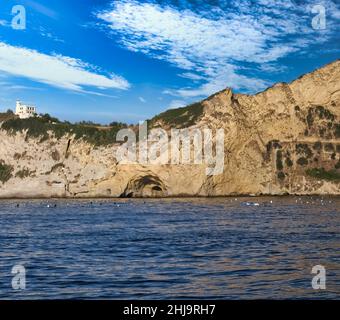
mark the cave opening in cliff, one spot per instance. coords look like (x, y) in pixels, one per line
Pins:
(144, 186)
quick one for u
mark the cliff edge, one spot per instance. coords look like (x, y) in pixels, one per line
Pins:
(284, 140)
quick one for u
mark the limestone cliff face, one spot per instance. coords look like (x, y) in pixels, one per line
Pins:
(283, 140)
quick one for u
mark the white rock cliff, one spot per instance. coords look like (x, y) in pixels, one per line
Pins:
(273, 140)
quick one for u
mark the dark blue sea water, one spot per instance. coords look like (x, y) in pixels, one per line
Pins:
(222, 248)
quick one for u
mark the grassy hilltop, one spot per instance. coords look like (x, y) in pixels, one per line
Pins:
(45, 125)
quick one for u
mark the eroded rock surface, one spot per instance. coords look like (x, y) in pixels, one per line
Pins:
(276, 142)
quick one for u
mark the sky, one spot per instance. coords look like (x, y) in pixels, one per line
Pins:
(127, 60)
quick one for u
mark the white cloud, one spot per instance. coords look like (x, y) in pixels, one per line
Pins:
(191, 76)
(9, 86)
(141, 99)
(273, 68)
(174, 104)
(56, 70)
(212, 43)
(48, 34)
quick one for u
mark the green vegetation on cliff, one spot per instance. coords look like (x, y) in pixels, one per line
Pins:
(41, 127)
(5, 171)
(24, 173)
(4, 116)
(179, 118)
(337, 130)
(321, 173)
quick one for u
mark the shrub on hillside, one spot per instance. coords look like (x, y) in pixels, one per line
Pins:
(279, 163)
(329, 147)
(321, 173)
(24, 173)
(302, 161)
(303, 149)
(317, 146)
(181, 117)
(5, 171)
(281, 175)
(40, 128)
(337, 130)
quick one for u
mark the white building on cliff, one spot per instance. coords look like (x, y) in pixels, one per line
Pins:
(25, 111)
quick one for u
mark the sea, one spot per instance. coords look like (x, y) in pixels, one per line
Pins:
(185, 248)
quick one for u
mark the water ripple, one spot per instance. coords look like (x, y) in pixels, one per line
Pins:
(220, 248)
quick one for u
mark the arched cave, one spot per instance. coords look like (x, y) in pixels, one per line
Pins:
(144, 186)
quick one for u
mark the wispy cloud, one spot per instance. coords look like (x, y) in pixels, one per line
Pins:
(213, 41)
(174, 104)
(43, 9)
(3, 23)
(17, 87)
(56, 70)
(141, 99)
(48, 34)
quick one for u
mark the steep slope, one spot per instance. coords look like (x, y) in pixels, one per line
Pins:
(275, 137)
(285, 140)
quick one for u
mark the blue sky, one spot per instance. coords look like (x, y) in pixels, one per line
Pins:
(128, 60)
